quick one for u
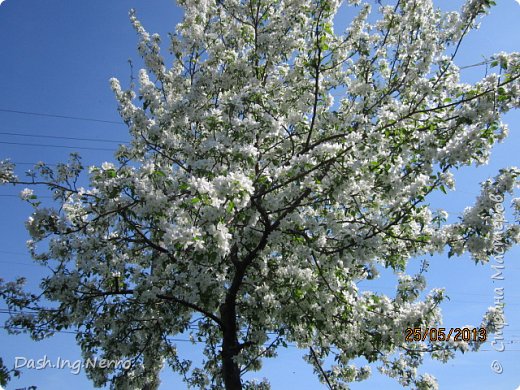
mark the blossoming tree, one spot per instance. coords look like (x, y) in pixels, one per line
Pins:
(250, 203)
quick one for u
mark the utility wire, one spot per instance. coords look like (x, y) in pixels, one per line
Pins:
(292, 345)
(477, 64)
(513, 339)
(31, 163)
(12, 253)
(57, 146)
(62, 137)
(24, 264)
(18, 196)
(78, 118)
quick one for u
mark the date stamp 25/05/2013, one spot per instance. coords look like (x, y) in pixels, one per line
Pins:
(443, 334)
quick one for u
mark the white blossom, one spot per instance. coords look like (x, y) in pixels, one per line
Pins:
(274, 164)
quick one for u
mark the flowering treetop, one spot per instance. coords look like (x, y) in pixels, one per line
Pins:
(275, 164)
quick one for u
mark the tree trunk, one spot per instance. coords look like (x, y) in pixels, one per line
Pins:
(154, 381)
(152, 385)
(230, 346)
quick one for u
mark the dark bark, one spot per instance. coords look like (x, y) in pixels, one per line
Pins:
(230, 345)
(228, 317)
(152, 385)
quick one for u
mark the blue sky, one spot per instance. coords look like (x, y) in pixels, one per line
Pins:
(57, 57)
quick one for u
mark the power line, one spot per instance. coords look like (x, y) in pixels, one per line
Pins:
(195, 327)
(30, 163)
(24, 264)
(75, 332)
(36, 163)
(512, 339)
(292, 345)
(78, 118)
(13, 253)
(56, 146)
(18, 196)
(22, 329)
(474, 65)
(62, 137)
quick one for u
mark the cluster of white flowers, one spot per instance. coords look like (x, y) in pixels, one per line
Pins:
(26, 194)
(248, 196)
(7, 172)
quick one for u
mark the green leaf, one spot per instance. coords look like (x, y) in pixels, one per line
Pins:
(327, 27)
(111, 173)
